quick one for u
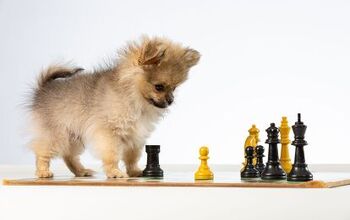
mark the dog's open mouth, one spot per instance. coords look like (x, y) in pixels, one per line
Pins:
(157, 104)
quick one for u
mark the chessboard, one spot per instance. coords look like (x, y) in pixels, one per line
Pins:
(186, 179)
(277, 173)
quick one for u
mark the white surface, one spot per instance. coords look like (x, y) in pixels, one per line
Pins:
(261, 60)
(52, 202)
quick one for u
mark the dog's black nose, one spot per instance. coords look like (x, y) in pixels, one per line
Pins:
(170, 100)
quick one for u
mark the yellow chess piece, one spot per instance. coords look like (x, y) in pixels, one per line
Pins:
(252, 140)
(203, 172)
(285, 159)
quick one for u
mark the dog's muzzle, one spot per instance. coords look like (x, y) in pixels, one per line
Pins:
(163, 104)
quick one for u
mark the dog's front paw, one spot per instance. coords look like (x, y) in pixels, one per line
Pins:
(115, 173)
(84, 172)
(135, 172)
(44, 174)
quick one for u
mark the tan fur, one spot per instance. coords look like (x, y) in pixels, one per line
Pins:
(114, 109)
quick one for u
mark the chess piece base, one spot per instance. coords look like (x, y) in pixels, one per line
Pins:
(153, 172)
(273, 171)
(260, 167)
(250, 172)
(204, 175)
(300, 173)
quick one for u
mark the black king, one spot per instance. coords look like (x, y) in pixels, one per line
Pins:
(299, 171)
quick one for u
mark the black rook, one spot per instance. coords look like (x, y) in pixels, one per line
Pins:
(152, 168)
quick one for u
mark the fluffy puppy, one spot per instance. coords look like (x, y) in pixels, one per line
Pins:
(114, 109)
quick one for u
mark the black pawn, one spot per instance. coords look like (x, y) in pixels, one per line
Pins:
(273, 169)
(152, 168)
(259, 151)
(249, 171)
(299, 171)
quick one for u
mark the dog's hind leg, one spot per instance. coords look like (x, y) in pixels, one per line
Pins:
(43, 154)
(43, 167)
(72, 158)
(74, 165)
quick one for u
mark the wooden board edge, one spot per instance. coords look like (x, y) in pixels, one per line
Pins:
(311, 184)
(333, 184)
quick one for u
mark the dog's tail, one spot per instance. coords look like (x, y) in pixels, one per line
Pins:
(56, 71)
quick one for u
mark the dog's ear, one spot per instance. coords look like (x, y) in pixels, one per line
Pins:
(152, 53)
(191, 57)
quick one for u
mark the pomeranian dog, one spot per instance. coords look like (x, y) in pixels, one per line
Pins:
(114, 109)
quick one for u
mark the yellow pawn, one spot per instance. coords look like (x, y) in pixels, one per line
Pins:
(252, 140)
(203, 172)
(285, 159)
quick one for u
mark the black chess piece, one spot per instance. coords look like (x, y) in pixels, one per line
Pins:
(249, 170)
(259, 151)
(299, 171)
(152, 168)
(273, 169)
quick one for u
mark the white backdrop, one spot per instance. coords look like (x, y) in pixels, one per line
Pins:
(260, 60)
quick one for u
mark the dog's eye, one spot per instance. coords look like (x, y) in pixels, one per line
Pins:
(159, 87)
